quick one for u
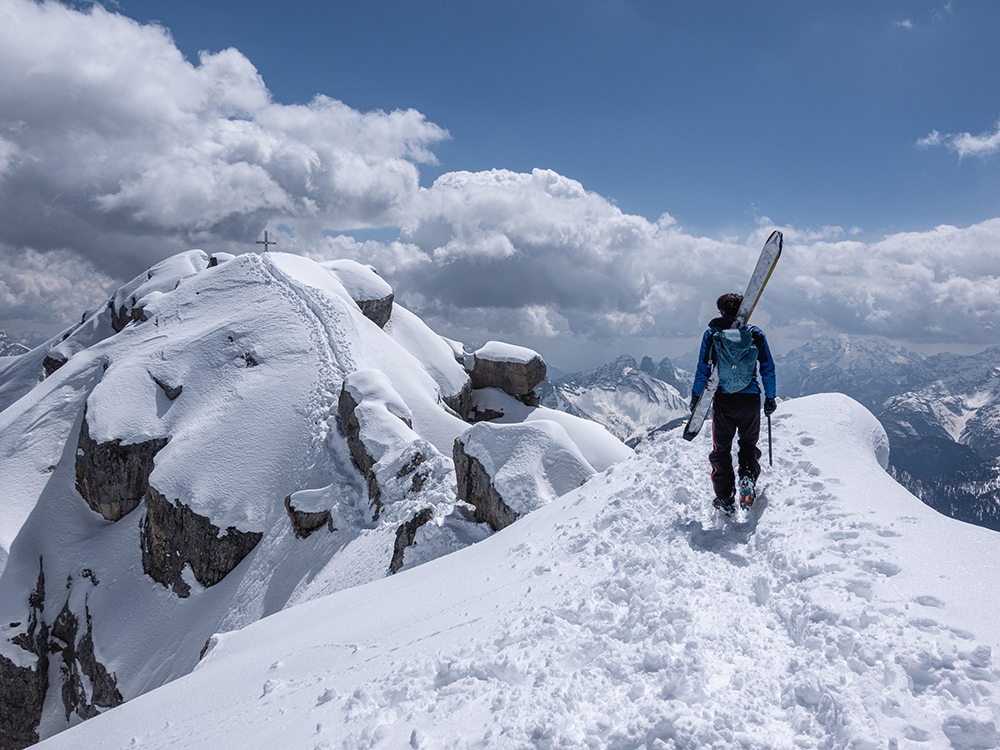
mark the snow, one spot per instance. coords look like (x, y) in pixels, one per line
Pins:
(599, 447)
(845, 613)
(360, 281)
(434, 352)
(530, 464)
(498, 351)
(260, 346)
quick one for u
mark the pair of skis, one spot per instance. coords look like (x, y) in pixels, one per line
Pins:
(758, 280)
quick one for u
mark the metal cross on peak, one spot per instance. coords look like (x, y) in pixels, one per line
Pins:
(265, 242)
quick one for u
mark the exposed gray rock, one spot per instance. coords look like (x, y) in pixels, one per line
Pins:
(305, 522)
(359, 454)
(405, 535)
(171, 391)
(378, 311)
(79, 660)
(23, 689)
(53, 361)
(124, 314)
(475, 487)
(391, 460)
(461, 403)
(112, 477)
(173, 536)
(518, 378)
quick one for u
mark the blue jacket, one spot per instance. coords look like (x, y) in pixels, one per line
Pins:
(765, 363)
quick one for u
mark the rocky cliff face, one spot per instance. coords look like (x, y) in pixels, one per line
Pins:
(475, 487)
(112, 477)
(23, 687)
(174, 538)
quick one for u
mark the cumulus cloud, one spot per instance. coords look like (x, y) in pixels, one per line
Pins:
(115, 151)
(49, 289)
(115, 145)
(964, 144)
(538, 255)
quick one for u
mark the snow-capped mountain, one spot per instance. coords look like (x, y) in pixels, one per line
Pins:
(941, 413)
(629, 399)
(230, 436)
(10, 348)
(868, 370)
(844, 614)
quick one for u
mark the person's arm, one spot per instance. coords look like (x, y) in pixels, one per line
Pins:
(704, 368)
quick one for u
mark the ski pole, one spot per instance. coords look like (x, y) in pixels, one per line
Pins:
(770, 457)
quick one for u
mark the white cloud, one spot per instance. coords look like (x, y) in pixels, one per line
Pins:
(114, 145)
(965, 144)
(124, 150)
(536, 255)
(51, 289)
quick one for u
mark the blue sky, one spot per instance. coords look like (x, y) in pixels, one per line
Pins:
(583, 178)
(716, 112)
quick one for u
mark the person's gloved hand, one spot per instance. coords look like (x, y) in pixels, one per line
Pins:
(769, 406)
(694, 401)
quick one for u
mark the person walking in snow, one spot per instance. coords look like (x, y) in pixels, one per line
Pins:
(739, 354)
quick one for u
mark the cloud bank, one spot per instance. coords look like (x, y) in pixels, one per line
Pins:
(115, 151)
(115, 145)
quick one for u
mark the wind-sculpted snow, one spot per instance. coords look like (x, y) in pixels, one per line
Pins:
(844, 614)
(223, 438)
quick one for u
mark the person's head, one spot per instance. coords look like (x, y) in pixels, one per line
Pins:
(729, 304)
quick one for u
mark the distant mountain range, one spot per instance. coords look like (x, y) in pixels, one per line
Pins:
(941, 412)
(10, 348)
(632, 400)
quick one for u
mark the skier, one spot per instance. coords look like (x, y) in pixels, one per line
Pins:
(737, 353)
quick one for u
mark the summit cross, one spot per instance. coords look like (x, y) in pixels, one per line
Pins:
(265, 242)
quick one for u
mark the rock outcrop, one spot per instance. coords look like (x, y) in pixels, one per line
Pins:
(173, 536)
(305, 522)
(370, 292)
(507, 470)
(462, 402)
(84, 697)
(475, 487)
(53, 361)
(405, 535)
(171, 391)
(378, 311)
(378, 425)
(513, 369)
(23, 688)
(113, 477)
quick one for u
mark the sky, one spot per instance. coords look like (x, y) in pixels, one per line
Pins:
(584, 178)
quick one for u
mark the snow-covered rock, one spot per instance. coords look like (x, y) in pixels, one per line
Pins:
(516, 370)
(843, 614)
(369, 290)
(507, 470)
(223, 438)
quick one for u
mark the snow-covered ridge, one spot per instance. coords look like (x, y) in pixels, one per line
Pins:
(845, 614)
(227, 436)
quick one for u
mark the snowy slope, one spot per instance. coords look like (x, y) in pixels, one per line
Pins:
(844, 614)
(182, 463)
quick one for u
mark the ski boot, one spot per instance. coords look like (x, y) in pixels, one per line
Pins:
(725, 505)
(748, 492)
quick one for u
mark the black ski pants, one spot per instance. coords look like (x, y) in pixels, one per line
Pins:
(734, 413)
